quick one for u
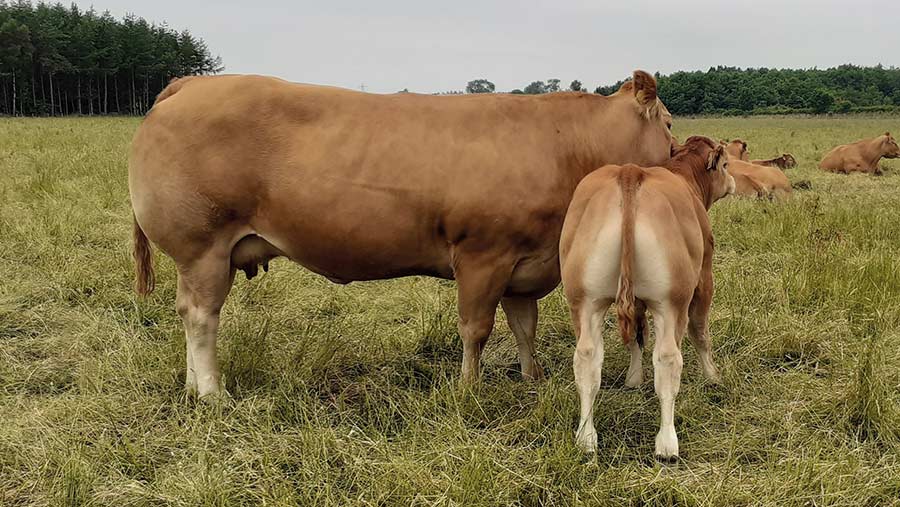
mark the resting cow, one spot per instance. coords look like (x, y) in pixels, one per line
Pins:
(228, 172)
(862, 156)
(753, 180)
(642, 235)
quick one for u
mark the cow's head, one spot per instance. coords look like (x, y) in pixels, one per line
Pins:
(642, 122)
(889, 148)
(737, 149)
(708, 162)
(789, 161)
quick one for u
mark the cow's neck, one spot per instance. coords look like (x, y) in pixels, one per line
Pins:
(577, 120)
(694, 174)
(873, 151)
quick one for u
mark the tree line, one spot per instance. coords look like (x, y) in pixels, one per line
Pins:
(736, 91)
(57, 60)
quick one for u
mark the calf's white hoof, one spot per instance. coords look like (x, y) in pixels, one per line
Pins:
(587, 440)
(667, 444)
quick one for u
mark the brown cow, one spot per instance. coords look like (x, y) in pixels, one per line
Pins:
(862, 156)
(737, 149)
(759, 181)
(785, 161)
(637, 234)
(228, 172)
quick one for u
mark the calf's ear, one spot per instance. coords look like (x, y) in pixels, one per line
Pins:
(716, 157)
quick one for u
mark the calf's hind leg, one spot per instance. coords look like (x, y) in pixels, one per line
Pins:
(588, 365)
(667, 364)
(203, 286)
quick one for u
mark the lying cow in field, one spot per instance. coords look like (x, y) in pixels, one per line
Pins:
(785, 161)
(753, 180)
(642, 236)
(862, 156)
(228, 172)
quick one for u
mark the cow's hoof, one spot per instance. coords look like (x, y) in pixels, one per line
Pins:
(533, 374)
(220, 398)
(667, 444)
(586, 440)
(668, 460)
(634, 380)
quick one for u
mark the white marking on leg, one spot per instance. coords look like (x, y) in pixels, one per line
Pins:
(201, 327)
(588, 365)
(667, 364)
(190, 378)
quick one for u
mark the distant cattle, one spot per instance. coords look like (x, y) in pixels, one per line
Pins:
(753, 180)
(861, 156)
(785, 161)
(737, 149)
(641, 236)
(228, 172)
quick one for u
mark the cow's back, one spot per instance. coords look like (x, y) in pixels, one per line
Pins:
(392, 179)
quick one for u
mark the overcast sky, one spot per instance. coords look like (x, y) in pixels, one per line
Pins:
(429, 46)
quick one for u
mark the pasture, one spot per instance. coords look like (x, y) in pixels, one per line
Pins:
(348, 395)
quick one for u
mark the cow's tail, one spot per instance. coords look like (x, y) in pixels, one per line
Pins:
(629, 180)
(145, 279)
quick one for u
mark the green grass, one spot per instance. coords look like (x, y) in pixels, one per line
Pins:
(348, 395)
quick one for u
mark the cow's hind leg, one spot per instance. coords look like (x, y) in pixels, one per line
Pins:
(521, 314)
(588, 365)
(481, 283)
(667, 364)
(202, 288)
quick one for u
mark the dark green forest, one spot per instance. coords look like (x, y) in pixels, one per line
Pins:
(57, 60)
(734, 91)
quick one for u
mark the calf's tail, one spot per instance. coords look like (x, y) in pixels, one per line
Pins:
(629, 180)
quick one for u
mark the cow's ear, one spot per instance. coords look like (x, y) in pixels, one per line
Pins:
(716, 158)
(644, 88)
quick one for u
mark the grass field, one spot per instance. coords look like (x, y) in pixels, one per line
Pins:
(348, 395)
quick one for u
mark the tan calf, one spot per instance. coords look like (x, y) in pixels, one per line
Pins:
(861, 156)
(641, 236)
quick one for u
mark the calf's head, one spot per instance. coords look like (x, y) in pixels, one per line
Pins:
(707, 162)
